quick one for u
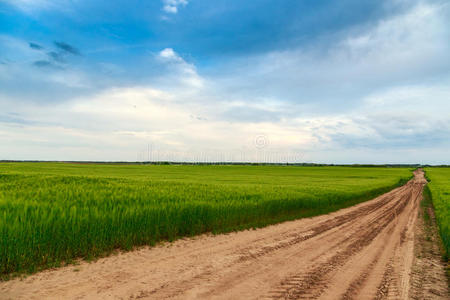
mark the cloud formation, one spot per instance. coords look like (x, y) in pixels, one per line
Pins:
(405, 48)
(372, 92)
(56, 58)
(35, 46)
(66, 48)
(181, 72)
(171, 6)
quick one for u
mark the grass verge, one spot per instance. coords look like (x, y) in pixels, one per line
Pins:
(432, 223)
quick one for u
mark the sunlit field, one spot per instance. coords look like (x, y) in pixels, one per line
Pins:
(53, 213)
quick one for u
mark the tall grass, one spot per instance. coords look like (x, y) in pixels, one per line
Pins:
(439, 186)
(52, 212)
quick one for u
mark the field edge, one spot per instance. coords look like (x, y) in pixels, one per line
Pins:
(433, 228)
(369, 195)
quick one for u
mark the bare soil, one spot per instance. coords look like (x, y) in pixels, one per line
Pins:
(373, 250)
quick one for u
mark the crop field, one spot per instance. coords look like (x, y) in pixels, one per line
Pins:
(52, 213)
(439, 186)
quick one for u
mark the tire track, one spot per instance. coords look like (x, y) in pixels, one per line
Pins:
(314, 282)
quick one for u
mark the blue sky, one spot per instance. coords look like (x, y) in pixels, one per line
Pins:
(315, 81)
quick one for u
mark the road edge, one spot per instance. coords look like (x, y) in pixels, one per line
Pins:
(429, 273)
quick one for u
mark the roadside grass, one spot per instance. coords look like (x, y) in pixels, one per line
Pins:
(428, 274)
(437, 195)
(52, 214)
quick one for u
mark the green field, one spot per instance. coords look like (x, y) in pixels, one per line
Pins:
(439, 186)
(51, 213)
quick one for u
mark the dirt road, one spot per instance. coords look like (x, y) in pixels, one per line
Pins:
(362, 252)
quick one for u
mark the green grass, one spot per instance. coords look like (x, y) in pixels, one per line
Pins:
(439, 186)
(52, 213)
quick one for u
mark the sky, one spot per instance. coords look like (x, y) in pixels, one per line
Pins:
(349, 81)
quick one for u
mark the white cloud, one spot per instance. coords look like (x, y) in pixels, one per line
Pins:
(116, 123)
(181, 71)
(170, 55)
(171, 6)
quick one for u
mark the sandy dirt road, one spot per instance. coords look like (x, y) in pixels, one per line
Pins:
(362, 252)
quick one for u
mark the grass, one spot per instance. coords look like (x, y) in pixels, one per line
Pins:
(53, 213)
(427, 207)
(431, 237)
(439, 188)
